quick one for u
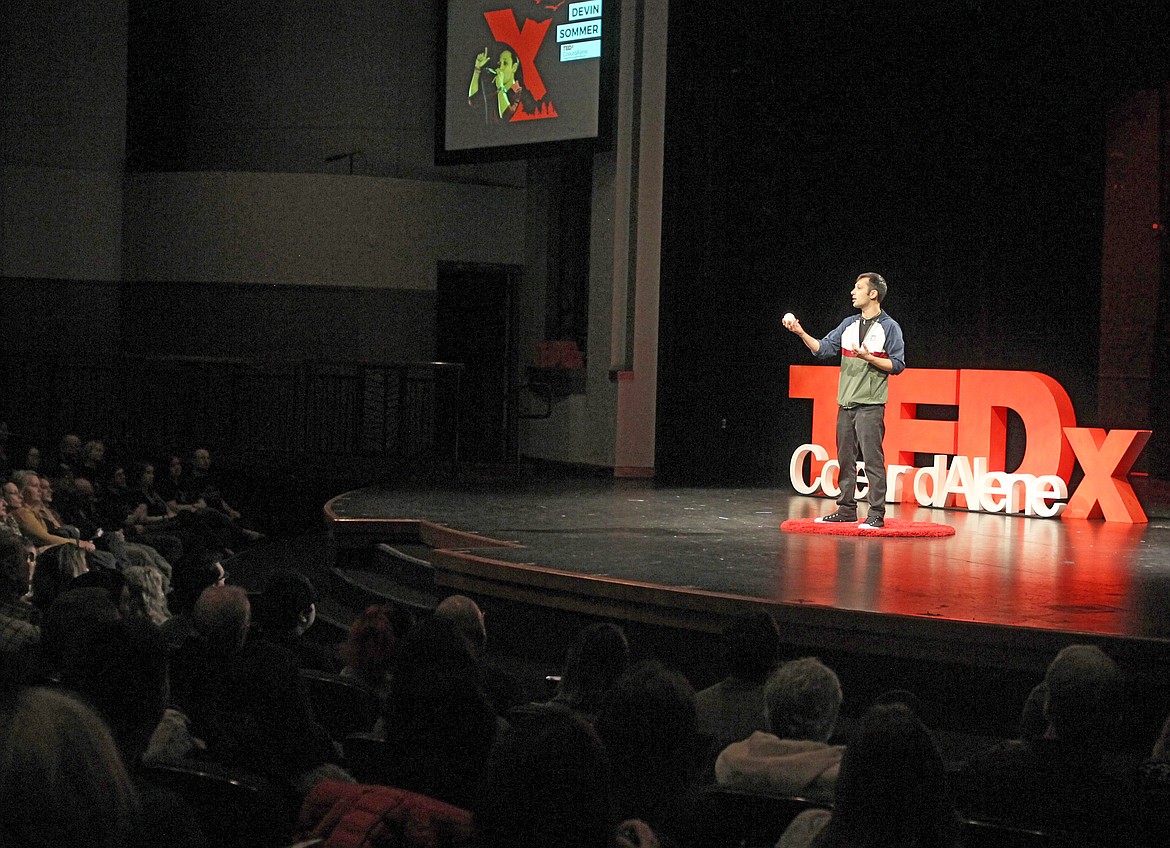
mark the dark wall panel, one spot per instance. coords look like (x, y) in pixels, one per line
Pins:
(263, 322)
(957, 148)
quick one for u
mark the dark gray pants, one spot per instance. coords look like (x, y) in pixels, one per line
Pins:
(862, 428)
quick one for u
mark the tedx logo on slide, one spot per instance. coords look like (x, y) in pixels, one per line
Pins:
(970, 453)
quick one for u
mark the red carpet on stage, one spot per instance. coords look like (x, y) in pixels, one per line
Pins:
(894, 527)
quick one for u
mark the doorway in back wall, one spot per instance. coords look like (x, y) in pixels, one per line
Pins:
(475, 325)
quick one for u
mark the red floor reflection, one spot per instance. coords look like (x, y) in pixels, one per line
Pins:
(1029, 572)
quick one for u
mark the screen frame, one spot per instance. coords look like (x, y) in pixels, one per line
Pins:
(606, 107)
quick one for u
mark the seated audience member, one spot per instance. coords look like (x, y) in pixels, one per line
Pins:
(202, 485)
(69, 456)
(148, 518)
(47, 525)
(172, 486)
(597, 658)
(62, 780)
(81, 509)
(32, 459)
(647, 722)
(24, 498)
(368, 652)
(549, 783)
(109, 581)
(892, 790)
(5, 459)
(803, 699)
(1059, 781)
(147, 594)
(733, 709)
(119, 668)
(93, 463)
(1161, 750)
(190, 580)
(197, 521)
(57, 566)
(8, 522)
(48, 511)
(284, 612)
(155, 508)
(117, 498)
(1033, 720)
(439, 726)
(245, 697)
(501, 688)
(20, 630)
(68, 622)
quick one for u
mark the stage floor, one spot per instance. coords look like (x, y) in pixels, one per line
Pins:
(1068, 577)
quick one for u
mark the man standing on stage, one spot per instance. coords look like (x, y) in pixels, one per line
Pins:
(871, 350)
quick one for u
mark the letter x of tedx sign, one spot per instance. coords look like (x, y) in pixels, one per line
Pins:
(984, 399)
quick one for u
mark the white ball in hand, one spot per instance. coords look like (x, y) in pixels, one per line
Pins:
(788, 320)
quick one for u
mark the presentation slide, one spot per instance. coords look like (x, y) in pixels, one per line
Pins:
(522, 72)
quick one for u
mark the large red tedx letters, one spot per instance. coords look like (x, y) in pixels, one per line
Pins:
(527, 41)
(984, 399)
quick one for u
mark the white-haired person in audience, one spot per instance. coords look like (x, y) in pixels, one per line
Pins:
(1061, 780)
(803, 699)
(891, 793)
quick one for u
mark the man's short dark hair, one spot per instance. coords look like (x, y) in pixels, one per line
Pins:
(752, 646)
(876, 283)
(287, 595)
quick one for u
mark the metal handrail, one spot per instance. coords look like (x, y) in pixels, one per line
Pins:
(302, 407)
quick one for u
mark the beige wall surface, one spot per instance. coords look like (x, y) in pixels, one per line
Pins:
(309, 229)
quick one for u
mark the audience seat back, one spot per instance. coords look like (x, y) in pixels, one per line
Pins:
(343, 707)
(366, 757)
(236, 810)
(991, 834)
(755, 819)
